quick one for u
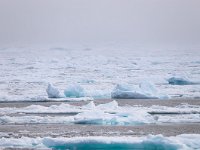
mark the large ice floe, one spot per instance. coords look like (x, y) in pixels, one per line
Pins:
(102, 114)
(150, 142)
(146, 90)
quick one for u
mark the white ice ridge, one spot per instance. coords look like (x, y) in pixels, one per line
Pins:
(103, 114)
(150, 142)
(146, 90)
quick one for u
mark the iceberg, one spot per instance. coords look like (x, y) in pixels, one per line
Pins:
(74, 90)
(52, 91)
(180, 81)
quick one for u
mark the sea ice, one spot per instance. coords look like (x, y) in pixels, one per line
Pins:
(103, 114)
(74, 90)
(52, 91)
(180, 81)
(146, 90)
(108, 106)
(93, 70)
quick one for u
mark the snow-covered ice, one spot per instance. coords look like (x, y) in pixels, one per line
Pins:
(150, 142)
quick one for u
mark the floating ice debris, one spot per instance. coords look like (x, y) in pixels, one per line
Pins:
(74, 90)
(52, 91)
(149, 142)
(146, 90)
(180, 81)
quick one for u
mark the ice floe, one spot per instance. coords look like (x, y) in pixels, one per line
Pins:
(53, 92)
(74, 90)
(103, 114)
(149, 142)
(180, 81)
(35, 120)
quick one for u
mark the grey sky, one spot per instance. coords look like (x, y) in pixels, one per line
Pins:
(62, 21)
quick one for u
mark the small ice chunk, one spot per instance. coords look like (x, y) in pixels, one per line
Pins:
(179, 81)
(52, 91)
(74, 90)
(127, 92)
(148, 88)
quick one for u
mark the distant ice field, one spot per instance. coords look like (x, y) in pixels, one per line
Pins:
(26, 71)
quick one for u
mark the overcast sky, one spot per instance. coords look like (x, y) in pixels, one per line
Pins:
(64, 21)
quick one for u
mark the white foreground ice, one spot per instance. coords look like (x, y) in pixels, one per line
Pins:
(150, 142)
(96, 69)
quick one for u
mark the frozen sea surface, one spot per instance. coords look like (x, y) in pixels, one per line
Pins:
(26, 71)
